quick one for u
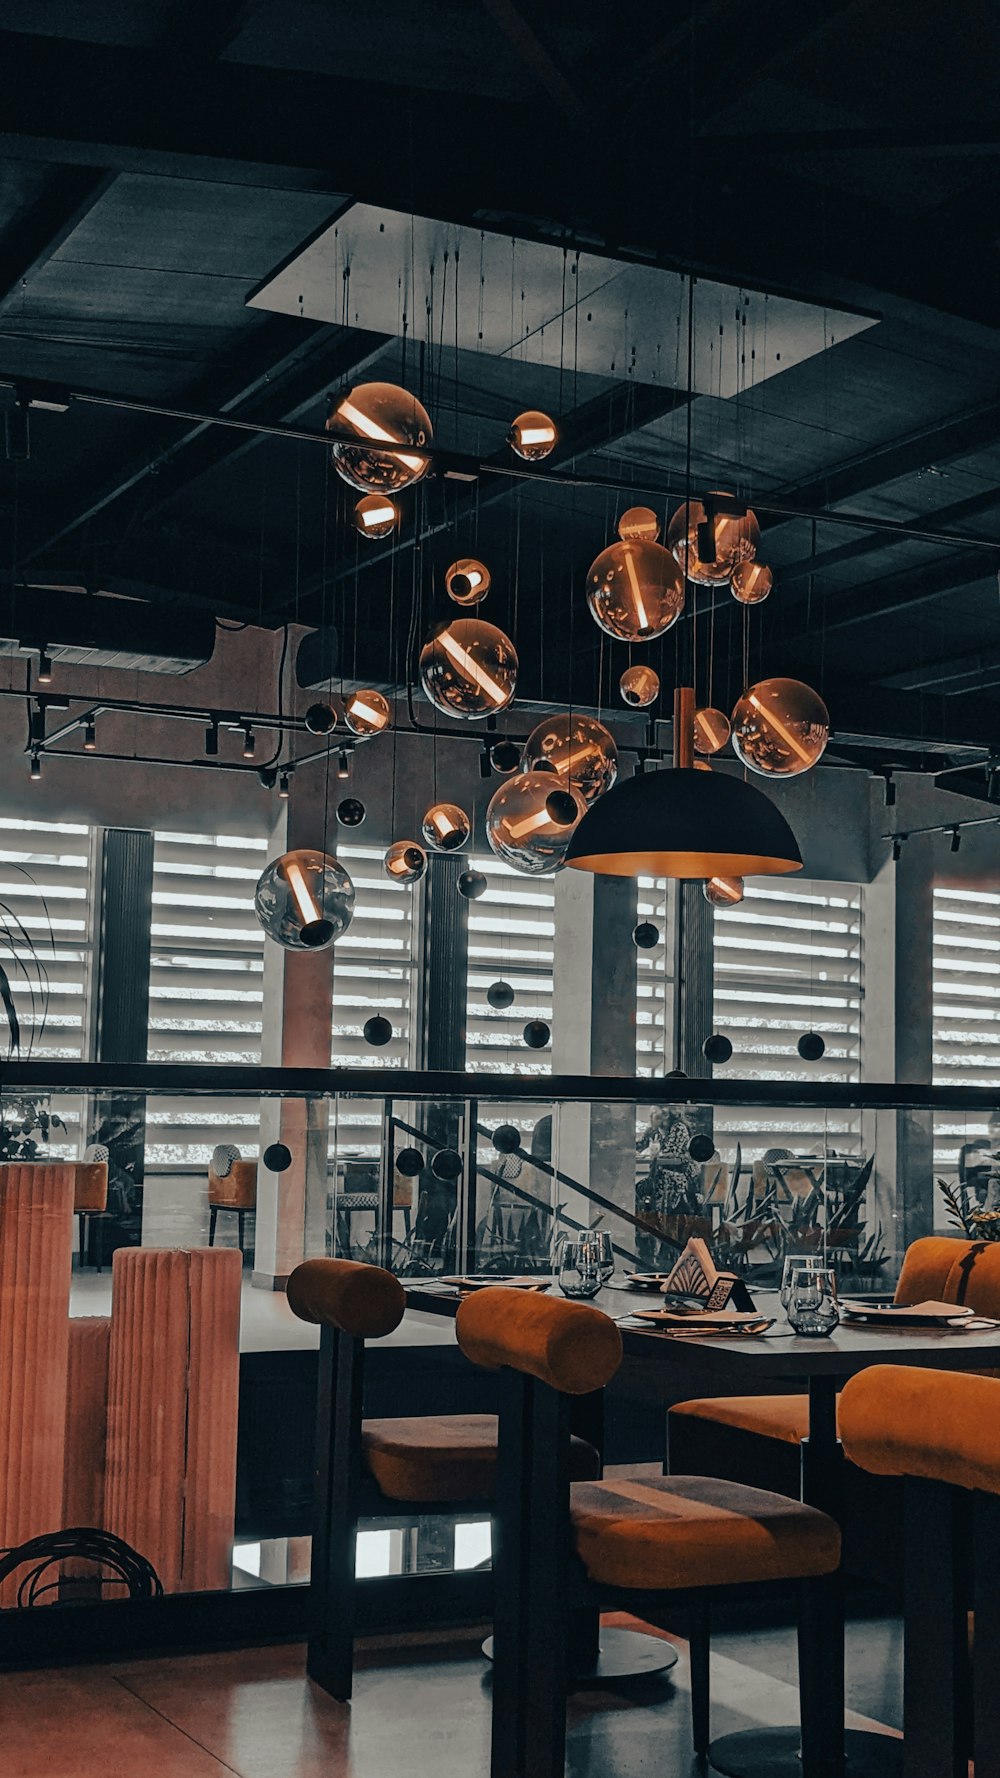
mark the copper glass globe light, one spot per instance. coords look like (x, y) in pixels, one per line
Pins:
(379, 413)
(708, 540)
(639, 686)
(468, 668)
(405, 861)
(532, 436)
(684, 823)
(467, 581)
(367, 713)
(780, 728)
(711, 730)
(530, 821)
(752, 581)
(375, 516)
(579, 748)
(445, 827)
(304, 900)
(635, 591)
(723, 892)
(639, 525)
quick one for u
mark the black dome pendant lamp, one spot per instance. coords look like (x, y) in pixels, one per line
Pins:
(684, 823)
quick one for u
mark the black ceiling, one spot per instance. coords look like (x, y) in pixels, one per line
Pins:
(159, 160)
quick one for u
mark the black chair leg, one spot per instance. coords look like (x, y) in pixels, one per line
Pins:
(821, 1676)
(213, 1217)
(986, 1596)
(699, 1638)
(241, 1217)
(935, 1634)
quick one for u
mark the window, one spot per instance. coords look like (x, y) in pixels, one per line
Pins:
(966, 1040)
(511, 936)
(205, 986)
(374, 965)
(654, 982)
(789, 959)
(47, 887)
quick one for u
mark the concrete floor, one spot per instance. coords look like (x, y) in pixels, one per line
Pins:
(418, 1712)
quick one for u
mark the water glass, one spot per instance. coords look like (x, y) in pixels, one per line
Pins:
(580, 1273)
(798, 1262)
(812, 1306)
(605, 1253)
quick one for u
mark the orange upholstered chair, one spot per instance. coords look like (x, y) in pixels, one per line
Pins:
(934, 1268)
(940, 1433)
(232, 1185)
(90, 1192)
(378, 1468)
(651, 1546)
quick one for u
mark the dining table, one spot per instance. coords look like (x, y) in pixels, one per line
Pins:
(775, 1359)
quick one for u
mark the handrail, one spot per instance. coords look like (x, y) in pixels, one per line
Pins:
(253, 1081)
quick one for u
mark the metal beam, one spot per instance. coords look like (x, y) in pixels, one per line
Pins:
(974, 671)
(286, 362)
(68, 195)
(538, 59)
(895, 593)
(791, 572)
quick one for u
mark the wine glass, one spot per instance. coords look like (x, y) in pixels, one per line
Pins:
(605, 1252)
(580, 1267)
(812, 1305)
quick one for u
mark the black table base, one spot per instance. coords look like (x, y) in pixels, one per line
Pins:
(623, 1654)
(774, 1753)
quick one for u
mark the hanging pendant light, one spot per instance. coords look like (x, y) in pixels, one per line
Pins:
(684, 823)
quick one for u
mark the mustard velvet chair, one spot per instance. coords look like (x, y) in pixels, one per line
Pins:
(758, 1436)
(939, 1432)
(382, 1467)
(653, 1547)
(232, 1185)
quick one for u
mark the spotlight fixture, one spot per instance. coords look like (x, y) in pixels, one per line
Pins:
(343, 763)
(36, 768)
(890, 790)
(486, 761)
(897, 851)
(284, 787)
(17, 432)
(44, 667)
(249, 742)
(89, 735)
(956, 838)
(212, 739)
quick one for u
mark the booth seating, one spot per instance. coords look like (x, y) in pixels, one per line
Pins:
(757, 1437)
(658, 1548)
(937, 1434)
(377, 1468)
(232, 1185)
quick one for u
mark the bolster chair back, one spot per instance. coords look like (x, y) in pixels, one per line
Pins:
(569, 1346)
(938, 1269)
(943, 1426)
(365, 1302)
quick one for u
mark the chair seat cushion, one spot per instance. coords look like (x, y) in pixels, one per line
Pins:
(784, 1417)
(694, 1531)
(447, 1457)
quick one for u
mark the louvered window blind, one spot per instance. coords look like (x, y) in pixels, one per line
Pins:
(966, 1047)
(205, 986)
(47, 886)
(511, 936)
(789, 959)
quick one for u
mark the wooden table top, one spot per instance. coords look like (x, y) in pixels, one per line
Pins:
(778, 1355)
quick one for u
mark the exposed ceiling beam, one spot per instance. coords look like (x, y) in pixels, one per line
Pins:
(972, 671)
(960, 137)
(71, 101)
(70, 192)
(860, 547)
(906, 454)
(890, 596)
(265, 379)
(538, 59)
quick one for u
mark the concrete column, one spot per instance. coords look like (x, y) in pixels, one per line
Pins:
(593, 1031)
(297, 1033)
(694, 979)
(897, 1039)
